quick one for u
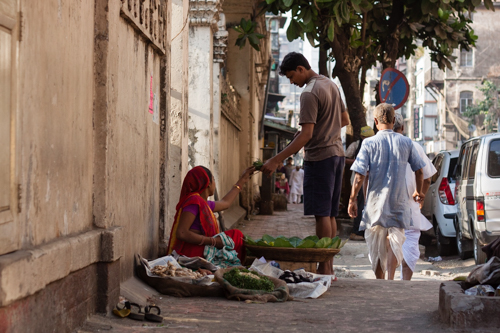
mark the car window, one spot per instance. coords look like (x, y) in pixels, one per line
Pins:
(472, 162)
(438, 161)
(451, 169)
(494, 159)
(465, 163)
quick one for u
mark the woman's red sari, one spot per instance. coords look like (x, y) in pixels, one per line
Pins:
(195, 182)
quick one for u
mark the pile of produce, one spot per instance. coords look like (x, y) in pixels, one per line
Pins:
(172, 271)
(292, 277)
(295, 242)
(245, 279)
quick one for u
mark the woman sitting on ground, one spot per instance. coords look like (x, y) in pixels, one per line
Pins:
(195, 223)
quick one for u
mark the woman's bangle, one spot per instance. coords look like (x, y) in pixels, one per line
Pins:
(202, 240)
(237, 186)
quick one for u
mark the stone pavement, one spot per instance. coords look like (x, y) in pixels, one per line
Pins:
(350, 305)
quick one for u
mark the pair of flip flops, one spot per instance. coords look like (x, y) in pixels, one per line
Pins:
(134, 311)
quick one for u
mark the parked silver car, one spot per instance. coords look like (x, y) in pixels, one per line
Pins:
(478, 195)
(439, 205)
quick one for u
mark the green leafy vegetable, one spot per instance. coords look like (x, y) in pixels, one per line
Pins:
(335, 243)
(306, 244)
(245, 279)
(323, 243)
(258, 164)
(250, 241)
(263, 243)
(268, 238)
(314, 238)
(295, 241)
(282, 242)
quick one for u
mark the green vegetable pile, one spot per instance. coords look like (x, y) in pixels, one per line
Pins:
(245, 279)
(295, 242)
(258, 164)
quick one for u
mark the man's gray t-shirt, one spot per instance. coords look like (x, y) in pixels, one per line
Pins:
(321, 105)
(386, 156)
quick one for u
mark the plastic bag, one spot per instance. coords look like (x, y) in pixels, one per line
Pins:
(488, 273)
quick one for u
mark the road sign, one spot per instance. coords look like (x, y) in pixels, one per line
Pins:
(393, 88)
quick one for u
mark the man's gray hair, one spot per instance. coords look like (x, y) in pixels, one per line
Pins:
(398, 123)
(384, 113)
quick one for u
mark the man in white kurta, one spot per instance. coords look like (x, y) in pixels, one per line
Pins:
(411, 251)
(296, 184)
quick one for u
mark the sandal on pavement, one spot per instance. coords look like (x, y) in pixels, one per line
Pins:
(151, 316)
(136, 315)
(121, 312)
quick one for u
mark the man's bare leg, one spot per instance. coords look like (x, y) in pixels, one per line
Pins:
(379, 273)
(324, 229)
(392, 261)
(407, 272)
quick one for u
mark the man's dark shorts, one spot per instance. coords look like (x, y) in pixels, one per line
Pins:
(322, 186)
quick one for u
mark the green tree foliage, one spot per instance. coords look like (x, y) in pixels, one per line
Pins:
(246, 30)
(488, 107)
(357, 33)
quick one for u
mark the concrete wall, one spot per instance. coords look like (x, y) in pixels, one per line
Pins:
(89, 156)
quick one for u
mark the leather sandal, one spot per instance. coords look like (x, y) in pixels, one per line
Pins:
(151, 316)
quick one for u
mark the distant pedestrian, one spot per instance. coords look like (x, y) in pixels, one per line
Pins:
(351, 153)
(383, 159)
(296, 184)
(288, 168)
(411, 251)
(322, 115)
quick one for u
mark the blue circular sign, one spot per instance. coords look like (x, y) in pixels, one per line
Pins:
(393, 88)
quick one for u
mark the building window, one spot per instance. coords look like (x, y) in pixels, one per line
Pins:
(465, 100)
(465, 58)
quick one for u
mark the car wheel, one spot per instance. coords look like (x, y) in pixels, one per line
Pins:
(460, 241)
(445, 245)
(479, 255)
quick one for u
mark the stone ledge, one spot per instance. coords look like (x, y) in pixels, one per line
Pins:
(463, 311)
(25, 272)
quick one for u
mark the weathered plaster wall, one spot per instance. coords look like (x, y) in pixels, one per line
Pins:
(132, 163)
(55, 107)
(177, 164)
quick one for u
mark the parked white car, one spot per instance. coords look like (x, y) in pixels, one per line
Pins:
(478, 195)
(439, 204)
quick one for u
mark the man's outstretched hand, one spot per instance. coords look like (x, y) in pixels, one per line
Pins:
(270, 166)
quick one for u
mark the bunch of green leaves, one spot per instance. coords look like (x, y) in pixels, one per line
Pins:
(247, 30)
(295, 242)
(249, 280)
(487, 107)
(258, 164)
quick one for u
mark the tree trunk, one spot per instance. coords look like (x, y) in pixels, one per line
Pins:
(353, 100)
(323, 60)
(350, 86)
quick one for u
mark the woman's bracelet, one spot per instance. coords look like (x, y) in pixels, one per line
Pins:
(237, 186)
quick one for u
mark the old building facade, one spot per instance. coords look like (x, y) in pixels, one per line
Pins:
(105, 106)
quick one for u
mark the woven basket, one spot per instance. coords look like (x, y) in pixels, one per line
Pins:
(292, 254)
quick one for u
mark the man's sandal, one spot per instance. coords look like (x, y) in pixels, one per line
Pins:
(151, 316)
(134, 314)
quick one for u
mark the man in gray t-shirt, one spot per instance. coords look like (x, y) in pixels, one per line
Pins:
(322, 115)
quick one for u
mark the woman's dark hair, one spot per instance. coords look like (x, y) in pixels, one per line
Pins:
(209, 173)
(291, 61)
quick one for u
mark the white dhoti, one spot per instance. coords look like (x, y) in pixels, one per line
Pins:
(411, 251)
(376, 239)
